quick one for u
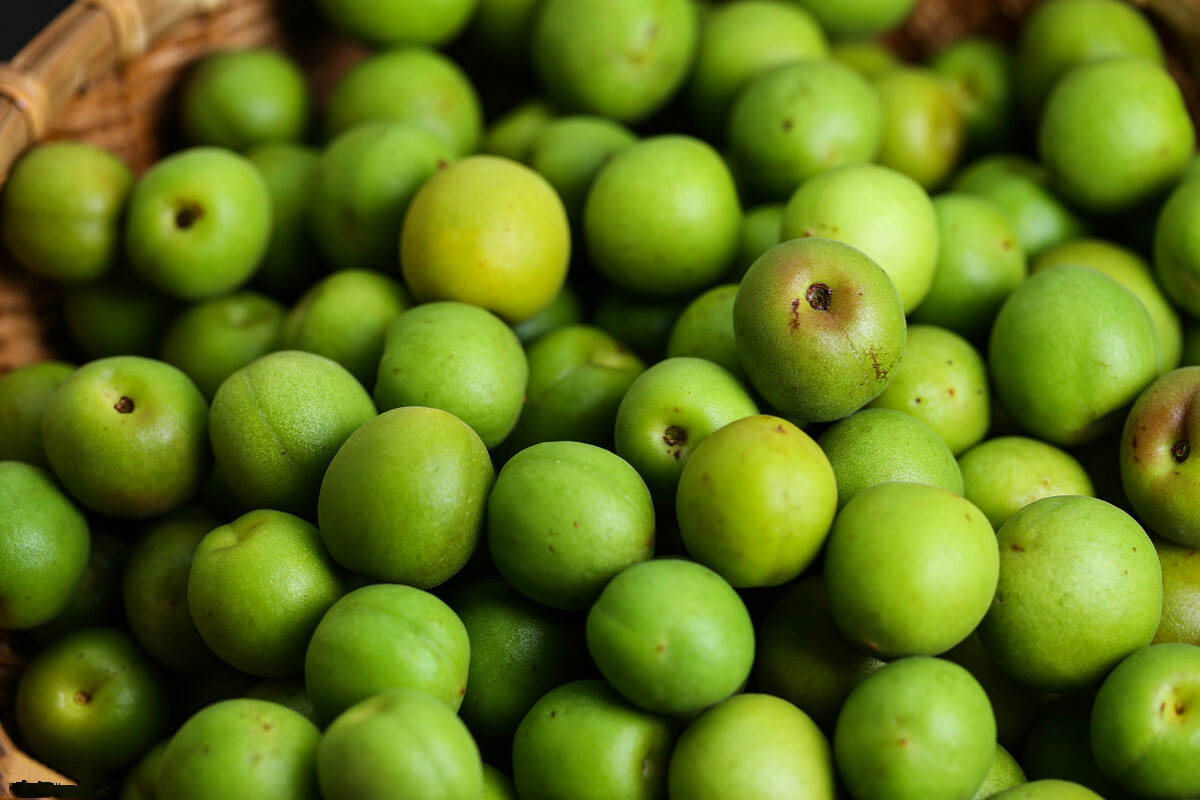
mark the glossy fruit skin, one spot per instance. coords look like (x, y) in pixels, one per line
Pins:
(1058, 394)
(240, 98)
(409, 84)
(669, 410)
(519, 651)
(459, 358)
(127, 436)
(918, 728)
(1175, 240)
(564, 518)
(1048, 790)
(878, 210)
(943, 382)
(1003, 475)
(509, 254)
(44, 543)
(593, 56)
(752, 746)
(362, 187)
(403, 500)
(741, 42)
(258, 587)
(1141, 732)
(662, 217)
(584, 742)
(277, 423)
(578, 376)
(910, 569)
(755, 501)
(705, 330)
(980, 262)
(213, 755)
(61, 211)
(762, 229)
(290, 262)
(395, 22)
(805, 305)
(1108, 167)
(199, 223)
(671, 636)
(23, 395)
(1068, 640)
(155, 591)
(922, 125)
(400, 737)
(1157, 464)
(570, 151)
(90, 703)
(1181, 594)
(800, 119)
(344, 318)
(396, 636)
(211, 340)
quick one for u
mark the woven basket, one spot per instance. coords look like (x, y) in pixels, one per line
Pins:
(104, 72)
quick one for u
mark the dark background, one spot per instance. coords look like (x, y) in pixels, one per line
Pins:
(22, 19)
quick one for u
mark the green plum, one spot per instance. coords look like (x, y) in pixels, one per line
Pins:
(582, 741)
(849, 18)
(882, 445)
(140, 779)
(1131, 271)
(287, 692)
(90, 703)
(403, 500)
(1053, 624)
(741, 41)
(1158, 472)
(565, 309)
(214, 339)
(755, 501)
(241, 748)
(662, 218)
(762, 229)
(752, 746)
(513, 133)
(128, 437)
(1115, 133)
(671, 636)
(1003, 475)
(44, 546)
(258, 587)
(922, 125)
(1181, 594)
(290, 262)
(1021, 190)
(393, 22)
(490, 232)
(116, 316)
(918, 728)
(519, 651)
(199, 223)
(943, 382)
(459, 358)
(362, 187)
(399, 738)
(384, 637)
(643, 325)
(1005, 773)
(980, 71)
(669, 409)
(23, 395)
(705, 329)
(980, 262)
(616, 58)
(409, 84)
(1063, 34)
(1048, 790)
(880, 211)
(802, 656)
(564, 518)
(276, 423)
(867, 57)
(569, 152)
(800, 119)
(61, 211)
(344, 317)
(1144, 729)
(1106, 351)
(910, 569)
(1175, 242)
(497, 785)
(241, 98)
(819, 328)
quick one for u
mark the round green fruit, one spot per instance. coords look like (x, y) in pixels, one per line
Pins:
(1001, 476)
(23, 395)
(290, 262)
(570, 151)
(1181, 594)
(845, 19)
(513, 133)
(922, 129)
(393, 22)
(1175, 262)
(705, 329)
(761, 230)
(1005, 773)
(241, 98)
(980, 73)
(1048, 790)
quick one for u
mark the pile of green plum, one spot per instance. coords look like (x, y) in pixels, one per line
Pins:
(839, 447)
